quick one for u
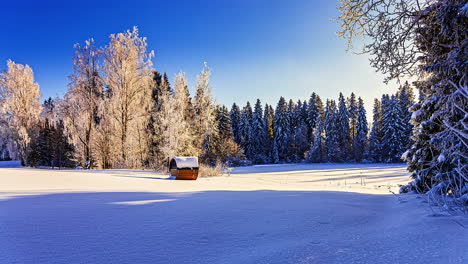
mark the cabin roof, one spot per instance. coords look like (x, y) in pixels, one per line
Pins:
(186, 162)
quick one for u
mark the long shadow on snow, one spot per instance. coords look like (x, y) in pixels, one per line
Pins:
(358, 177)
(316, 167)
(216, 227)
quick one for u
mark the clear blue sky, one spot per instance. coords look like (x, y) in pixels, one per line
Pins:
(256, 48)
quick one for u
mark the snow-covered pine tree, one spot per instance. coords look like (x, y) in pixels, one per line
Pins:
(275, 153)
(312, 111)
(376, 135)
(353, 116)
(393, 129)
(435, 51)
(441, 144)
(282, 128)
(268, 118)
(234, 116)
(361, 143)
(292, 113)
(226, 150)
(204, 118)
(291, 151)
(258, 135)
(20, 107)
(224, 123)
(317, 151)
(245, 130)
(169, 134)
(405, 98)
(343, 130)
(299, 135)
(331, 125)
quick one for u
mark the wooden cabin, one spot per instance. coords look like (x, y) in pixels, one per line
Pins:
(184, 168)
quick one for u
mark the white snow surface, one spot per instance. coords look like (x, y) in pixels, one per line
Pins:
(293, 213)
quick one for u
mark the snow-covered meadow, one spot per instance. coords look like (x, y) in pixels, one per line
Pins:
(292, 213)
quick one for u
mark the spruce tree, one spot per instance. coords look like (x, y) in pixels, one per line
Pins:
(224, 123)
(258, 134)
(331, 131)
(317, 151)
(282, 129)
(221, 146)
(353, 116)
(299, 135)
(361, 142)
(376, 136)
(245, 130)
(405, 98)
(234, 116)
(313, 112)
(343, 129)
(268, 119)
(393, 140)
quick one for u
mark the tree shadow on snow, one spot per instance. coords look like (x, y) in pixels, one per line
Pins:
(219, 227)
(316, 167)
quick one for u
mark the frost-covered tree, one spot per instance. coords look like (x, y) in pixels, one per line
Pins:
(105, 143)
(19, 107)
(4, 141)
(426, 39)
(184, 113)
(392, 129)
(51, 147)
(268, 119)
(166, 134)
(204, 117)
(360, 142)
(282, 131)
(234, 116)
(376, 135)
(405, 97)
(353, 116)
(245, 130)
(224, 123)
(299, 135)
(331, 125)
(314, 109)
(81, 102)
(225, 149)
(317, 151)
(343, 130)
(128, 74)
(258, 136)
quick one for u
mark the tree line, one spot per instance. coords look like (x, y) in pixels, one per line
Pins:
(314, 131)
(119, 112)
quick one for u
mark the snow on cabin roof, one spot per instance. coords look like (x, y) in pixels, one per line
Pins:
(186, 162)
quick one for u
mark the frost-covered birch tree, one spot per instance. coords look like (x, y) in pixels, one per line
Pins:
(20, 107)
(81, 102)
(127, 71)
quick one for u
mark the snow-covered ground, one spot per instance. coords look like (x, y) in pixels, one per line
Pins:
(294, 213)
